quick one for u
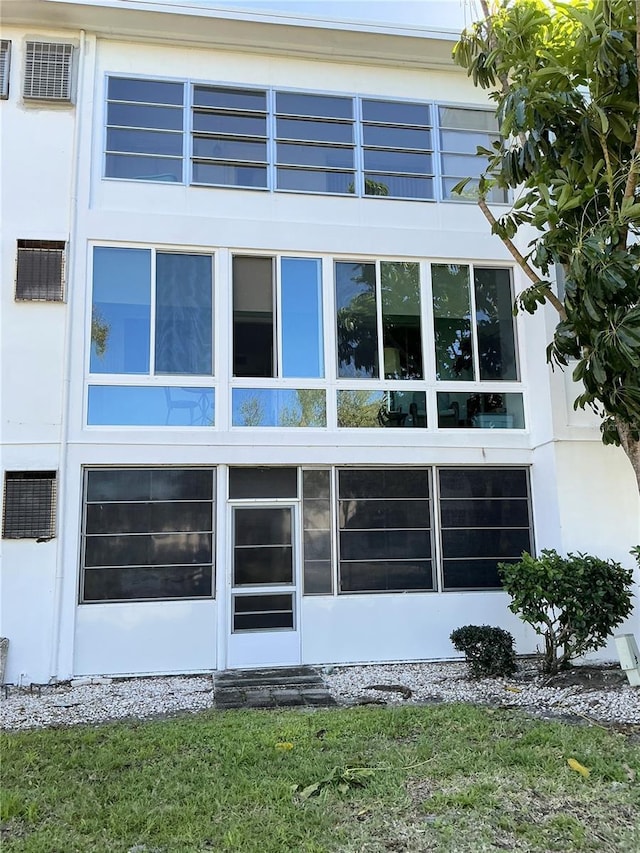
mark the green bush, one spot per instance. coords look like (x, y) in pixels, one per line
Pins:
(488, 651)
(573, 602)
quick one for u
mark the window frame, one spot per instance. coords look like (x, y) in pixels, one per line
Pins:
(5, 68)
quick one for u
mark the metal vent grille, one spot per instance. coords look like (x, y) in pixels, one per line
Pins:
(40, 274)
(29, 505)
(47, 74)
(5, 56)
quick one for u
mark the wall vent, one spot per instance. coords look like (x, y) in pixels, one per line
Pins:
(40, 271)
(29, 505)
(47, 74)
(5, 59)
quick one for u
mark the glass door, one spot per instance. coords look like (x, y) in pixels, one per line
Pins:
(264, 615)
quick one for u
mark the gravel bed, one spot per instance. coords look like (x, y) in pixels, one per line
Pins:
(92, 701)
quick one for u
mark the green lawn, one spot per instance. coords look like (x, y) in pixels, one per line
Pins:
(445, 778)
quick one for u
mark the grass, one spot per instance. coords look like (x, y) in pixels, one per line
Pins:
(447, 778)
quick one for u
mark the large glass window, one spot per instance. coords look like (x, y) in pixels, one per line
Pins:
(384, 520)
(474, 331)
(147, 533)
(151, 312)
(485, 520)
(378, 320)
(145, 137)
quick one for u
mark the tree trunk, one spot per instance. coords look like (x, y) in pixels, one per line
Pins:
(631, 447)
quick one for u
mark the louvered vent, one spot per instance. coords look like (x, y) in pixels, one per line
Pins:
(5, 57)
(29, 505)
(47, 74)
(40, 275)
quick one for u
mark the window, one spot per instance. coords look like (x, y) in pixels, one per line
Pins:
(5, 64)
(152, 314)
(229, 137)
(314, 143)
(147, 533)
(485, 520)
(384, 520)
(145, 137)
(40, 271)
(378, 320)
(397, 142)
(47, 73)
(317, 532)
(462, 131)
(29, 505)
(257, 138)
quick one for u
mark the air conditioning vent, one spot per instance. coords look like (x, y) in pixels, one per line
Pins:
(47, 75)
(40, 272)
(29, 505)
(5, 56)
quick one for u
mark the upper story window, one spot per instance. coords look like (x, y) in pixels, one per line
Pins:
(5, 62)
(292, 141)
(145, 137)
(47, 72)
(40, 271)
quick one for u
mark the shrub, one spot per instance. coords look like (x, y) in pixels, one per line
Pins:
(573, 602)
(488, 651)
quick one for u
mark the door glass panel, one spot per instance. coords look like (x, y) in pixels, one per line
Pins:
(253, 326)
(356, 320)
(452, 322)
(270, 526)
(263, 549)
(401, 320)
(262, 612)
(302, 352)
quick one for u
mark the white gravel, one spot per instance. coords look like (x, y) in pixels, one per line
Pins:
(142, 698)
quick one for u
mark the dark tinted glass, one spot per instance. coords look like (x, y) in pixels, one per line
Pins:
(317, 544)
(263, 565)
(149, 91)
(141, 484)
(263, 483)
(316, 514)
(485, 543)
(316, 484)
(263, 526)
(385, 544)
(229, 99)
(314, 105)
(382, 576)
(384, 483)
(148, 550)
(144, 141)
(148, 517)
(484, 483)
(398, 186)
(135, 115)
(253, 317)
(397, 137)
(232, 124)
(494, 322)
(157, 582)
(317, 577)
(314, 131)
(256, 612)
(396, 112)
(374, 514)
(356, 320)
(480, 513)
(262, 621)
(398, 161)
(262, 603)
(314, 155)
(471, 574)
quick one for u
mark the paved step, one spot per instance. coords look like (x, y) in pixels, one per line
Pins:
(271, 688)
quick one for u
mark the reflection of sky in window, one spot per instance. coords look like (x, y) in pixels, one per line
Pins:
(122, 304)
(271, 407)
(130, 405)
(301, 317)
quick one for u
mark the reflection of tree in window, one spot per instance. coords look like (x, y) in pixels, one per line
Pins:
(494, 324)
(309, 411)
(99, 332)
(358, 408)
(251, 412)
(452, 321)
(357, 320)
(400, 288)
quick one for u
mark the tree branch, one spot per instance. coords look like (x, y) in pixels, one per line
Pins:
(634, 166)
(521, 260)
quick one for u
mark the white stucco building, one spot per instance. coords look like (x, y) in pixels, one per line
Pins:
(263, 399)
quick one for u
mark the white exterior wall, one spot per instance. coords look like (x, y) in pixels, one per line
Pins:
(43, 416)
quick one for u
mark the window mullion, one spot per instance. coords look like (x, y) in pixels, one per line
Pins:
(152, 318)
(380, 322)
(277, 316)
(474, 323)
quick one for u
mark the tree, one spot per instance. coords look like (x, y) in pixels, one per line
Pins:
(565, 78)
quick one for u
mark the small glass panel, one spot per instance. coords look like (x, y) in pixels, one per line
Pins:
(272, 407)
(229, 174)
(301, 294)
(143, 168)
(398, 186)
(262, 612)
(452, 322)
(463, 142)
(135, 115)
(314, 105)
(470, 192)
(142, 582)
(150, 405)
(386, 483)
(412, 162)
(186, 517)
(238, 125)
(263, 550)
(484, 483)
(229, 99)
(221, 148)
(121, 310)
(467, 119)
(382, 408)
(263, 526)
(402, 340)
(314, 155)
(356, 320)
(384, 136)
(480, 411)
(314, 181)
(386, 576)
(144, 142)
(253, 322)
(314, 131)
(154, 549)
(267, 483)
(183, 314)
(149, 484)
(317, 532)
(145, 91)
(494, 323)
(396, 112)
